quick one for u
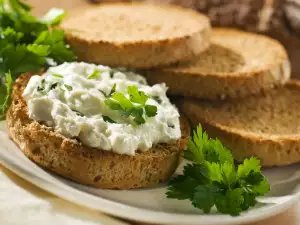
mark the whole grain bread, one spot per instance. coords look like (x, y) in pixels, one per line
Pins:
(265, 126)
(136, 35)
(237, 64)
(73, 160)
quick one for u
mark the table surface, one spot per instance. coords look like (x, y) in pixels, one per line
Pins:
(290, 217)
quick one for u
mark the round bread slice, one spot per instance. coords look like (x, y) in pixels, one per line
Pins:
(85, 165)
(136, 35)
(265, 126)
(236, 65)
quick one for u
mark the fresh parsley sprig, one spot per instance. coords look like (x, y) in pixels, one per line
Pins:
(135, 106)
(4, 94)
(27, 43)
(212, 179)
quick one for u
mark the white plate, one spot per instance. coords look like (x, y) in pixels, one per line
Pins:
(150, 205)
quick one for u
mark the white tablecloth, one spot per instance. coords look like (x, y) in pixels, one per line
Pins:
(24, 204)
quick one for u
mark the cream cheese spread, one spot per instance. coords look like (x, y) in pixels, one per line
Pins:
(71, 99)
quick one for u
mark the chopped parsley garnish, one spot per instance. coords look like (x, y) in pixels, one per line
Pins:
(103, 93)
(113, 90)
(78, 113)
(94, 75)
(151, 110)
(27, 43)
(157, 99)
(108, 119)
(112, 72)
(135, 106)
(53, 86)
(41, 86)
(212, 179)
(171, 126)
(68, 87)
(57, 75)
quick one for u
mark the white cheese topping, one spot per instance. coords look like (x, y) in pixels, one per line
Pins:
(70, 98)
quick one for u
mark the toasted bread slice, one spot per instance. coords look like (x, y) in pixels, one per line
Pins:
(237, 64)
(73, 160)
(265, 126)
(136, 35)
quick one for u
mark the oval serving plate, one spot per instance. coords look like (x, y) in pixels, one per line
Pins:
(151, 205)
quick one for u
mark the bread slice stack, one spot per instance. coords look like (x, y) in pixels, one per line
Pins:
(236, 84)
(136, 35)
(239, 90)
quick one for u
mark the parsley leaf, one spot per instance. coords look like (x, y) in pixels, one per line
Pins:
(202, 148)
(137, 96)
(205, 196)
(78, 113)
(8, 87)
(230, 202)
(68, 87)
(58, 51)
(108, 119)
(182, 187)
(113, 89)
(94, 75)
(157, 99)
(19, 7)
(135, 106)
(214, 180)
(249, 165)
(53, 86)
(151, 110)
(57, 75)
(20, 59)
(27, 43)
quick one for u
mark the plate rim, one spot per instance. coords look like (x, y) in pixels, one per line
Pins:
(133, 213)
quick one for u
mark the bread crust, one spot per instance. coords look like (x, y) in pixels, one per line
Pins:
(243, 82)
(75, 161)
(141, 52)
(272, 150)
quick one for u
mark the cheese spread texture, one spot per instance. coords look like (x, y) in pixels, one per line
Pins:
(71, 99)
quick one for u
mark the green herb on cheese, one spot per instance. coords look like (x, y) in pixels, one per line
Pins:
(213, 180)
(171, 126)
(41, 86)
(135, 106)
(94, 75)
(108, 119)
(57, 75)
(53, 86)
(157, 99)
(112, 72)
(78, 113)
(68, 87)
(113, 90)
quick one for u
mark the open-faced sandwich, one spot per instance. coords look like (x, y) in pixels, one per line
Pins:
(97, 125)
